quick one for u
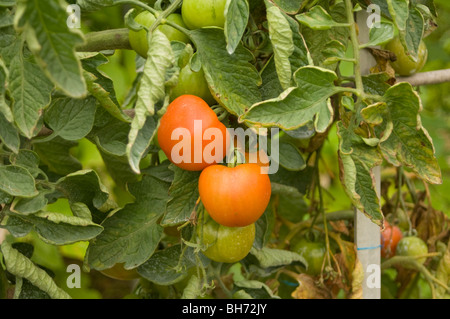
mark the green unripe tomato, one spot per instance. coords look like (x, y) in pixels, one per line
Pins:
(138, 40)
(226, 244)
(203, 13)
(193, 83)
(404, 66)
(412, 246)
(313, 253)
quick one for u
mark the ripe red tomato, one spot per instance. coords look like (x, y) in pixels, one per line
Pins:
(390, 237)
(191, 135)
(234, 196)
(225, 244)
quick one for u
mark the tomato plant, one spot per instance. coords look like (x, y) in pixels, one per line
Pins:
(412, 246)
(404, 65)
(225, 244)
(114, 147)
(390, 237)
(203, 13)
(194, 115)
(138, 39)
(240, 198)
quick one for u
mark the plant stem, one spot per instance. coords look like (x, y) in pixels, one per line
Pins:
(114, 39)
(355, 44)
(138, 4)
(162, 16)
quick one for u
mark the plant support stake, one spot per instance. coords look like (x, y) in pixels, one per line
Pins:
(367, 233)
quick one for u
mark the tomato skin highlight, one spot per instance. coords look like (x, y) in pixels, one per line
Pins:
(203, 13)
(226, 244)
(182, 114)
(389, 239)
(235, 197)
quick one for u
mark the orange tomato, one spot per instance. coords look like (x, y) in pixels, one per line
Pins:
(389, 240)
(234, 196)
(191, 135)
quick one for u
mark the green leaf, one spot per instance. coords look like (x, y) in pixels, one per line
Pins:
(95, 86)
(297, 106)
(282, 42)
(26, 206)
(7, 3)
(91, 62)
(59, 229)
(85, 187)
(52, 42)
(380, 35)
(256, 289)
(72, 119)
(271, 258)
(290, 157)
(152, 90)
(30, 90)
(398, 9)
(271, 86)
(318, 19)
(17, 181)
(94, 5)
(237, 13)
(192, 289)
(414, 33)
(5, 110)
(356, 161)
(10, 44)
(9, 134)
(318, 41)
(409, 143)
(168, 266)
(131, 234)
(20, 266)
(288, 6)
(139, 141)
(56, 155)
(292, 182)
(183, 195)
(232, 79)
(152, 87)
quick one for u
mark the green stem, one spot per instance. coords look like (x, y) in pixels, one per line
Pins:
(162, 16)
(359, 91)
(355, 44)
(138, 4)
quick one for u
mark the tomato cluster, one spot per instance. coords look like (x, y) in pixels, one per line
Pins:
(234, 197)
(193, 138)
(393, 243)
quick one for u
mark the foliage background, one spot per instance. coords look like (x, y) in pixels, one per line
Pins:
(122, 70)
